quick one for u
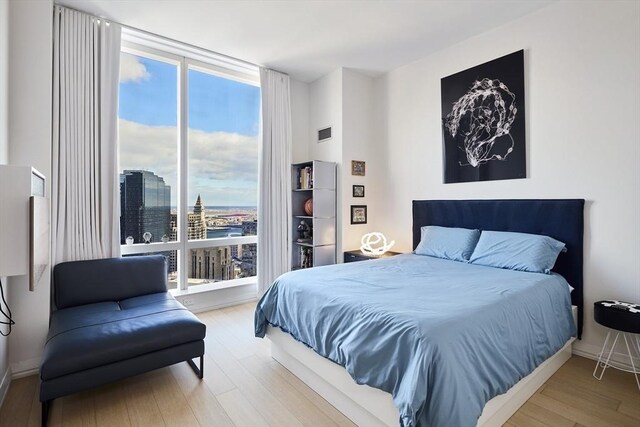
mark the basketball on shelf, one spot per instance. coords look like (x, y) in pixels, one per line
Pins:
(308, 207)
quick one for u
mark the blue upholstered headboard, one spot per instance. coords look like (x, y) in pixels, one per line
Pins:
(561, 219)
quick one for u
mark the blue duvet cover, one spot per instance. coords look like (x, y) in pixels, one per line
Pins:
(443, 337)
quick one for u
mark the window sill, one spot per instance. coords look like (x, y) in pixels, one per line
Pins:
(213, 296)
(215, 286)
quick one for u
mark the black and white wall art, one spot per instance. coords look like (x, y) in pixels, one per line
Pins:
(483, 123)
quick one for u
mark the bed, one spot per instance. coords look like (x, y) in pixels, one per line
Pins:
(458, 357)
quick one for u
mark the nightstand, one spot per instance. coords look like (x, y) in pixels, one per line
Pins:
(621, 318)
(353, 256)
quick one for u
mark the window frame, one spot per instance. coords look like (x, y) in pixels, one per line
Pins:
(187, 57)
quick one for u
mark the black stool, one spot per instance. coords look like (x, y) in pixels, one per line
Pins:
(624, 318)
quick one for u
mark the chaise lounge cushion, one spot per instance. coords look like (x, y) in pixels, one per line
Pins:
(93, 335)
(116, 279)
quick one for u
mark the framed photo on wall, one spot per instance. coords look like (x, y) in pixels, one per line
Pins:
(358, 191)
(357, 167)
(358, 214)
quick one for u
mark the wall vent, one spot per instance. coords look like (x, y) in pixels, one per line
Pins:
(324, 134)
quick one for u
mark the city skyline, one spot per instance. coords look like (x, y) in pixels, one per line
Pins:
(145, 209)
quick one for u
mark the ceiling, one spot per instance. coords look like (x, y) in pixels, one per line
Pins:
(309, 39)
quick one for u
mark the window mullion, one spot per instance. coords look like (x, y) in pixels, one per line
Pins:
(183, 150)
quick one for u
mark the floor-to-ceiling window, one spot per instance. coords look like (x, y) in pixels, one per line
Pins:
(189, 126)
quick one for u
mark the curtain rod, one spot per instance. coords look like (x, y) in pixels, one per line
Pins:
(169, 39)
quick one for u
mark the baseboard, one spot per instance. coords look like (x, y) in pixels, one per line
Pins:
(24, 368)
(4, 385)
(593, 352)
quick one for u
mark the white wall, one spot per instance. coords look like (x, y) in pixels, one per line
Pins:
(360, 142)
(30, 50)
(344, 99)
(325, 109)
(582, 68)
(299, 121)
(4, 157)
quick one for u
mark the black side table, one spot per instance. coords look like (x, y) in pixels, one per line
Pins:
(624, 318)
(353, 256)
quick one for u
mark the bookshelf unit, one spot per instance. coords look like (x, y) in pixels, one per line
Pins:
(317, 180)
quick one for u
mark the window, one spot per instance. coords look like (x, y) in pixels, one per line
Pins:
(189, 136)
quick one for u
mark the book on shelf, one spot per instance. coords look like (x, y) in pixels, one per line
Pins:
(305, 178)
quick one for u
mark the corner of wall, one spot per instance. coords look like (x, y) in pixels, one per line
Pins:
(344, 99)
(5, 371)
(29, 117)
(299, 121)
(325, 109)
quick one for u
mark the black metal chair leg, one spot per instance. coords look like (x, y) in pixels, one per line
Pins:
(199, 372)
(45, 412)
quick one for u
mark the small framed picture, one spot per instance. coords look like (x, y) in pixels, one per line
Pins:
(357, 167)
(358, 191)
(358, 214)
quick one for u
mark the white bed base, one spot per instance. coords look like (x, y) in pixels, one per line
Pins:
(368, 406)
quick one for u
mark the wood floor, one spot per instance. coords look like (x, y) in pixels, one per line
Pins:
(243, 386)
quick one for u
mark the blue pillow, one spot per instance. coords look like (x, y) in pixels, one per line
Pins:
(517, 251)
(449, 243)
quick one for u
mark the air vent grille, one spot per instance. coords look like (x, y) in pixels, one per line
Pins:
(324, 134)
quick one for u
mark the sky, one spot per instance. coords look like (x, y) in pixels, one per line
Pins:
(224, 117)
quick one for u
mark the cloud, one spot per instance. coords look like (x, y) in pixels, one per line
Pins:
(132, 70)
(223, 167)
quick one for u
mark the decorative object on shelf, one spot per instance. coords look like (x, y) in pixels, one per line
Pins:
(304, 232)
(308, 206)
(358, 191)
(358, 214)
(306, 257)
(483, 128)
(165, 238)
(129, 240)
(357, 167)
(305, 178)
(375, 244)
(147, 237)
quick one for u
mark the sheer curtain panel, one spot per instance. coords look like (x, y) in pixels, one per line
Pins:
(274, 197)
(85, 217)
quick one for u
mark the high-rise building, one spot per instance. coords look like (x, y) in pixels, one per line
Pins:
(249, 253)
(213, 264)
(197, 224)
(173, 257)
(145, 206)
(204, 263)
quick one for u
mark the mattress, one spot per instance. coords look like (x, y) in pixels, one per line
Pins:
(442, 337)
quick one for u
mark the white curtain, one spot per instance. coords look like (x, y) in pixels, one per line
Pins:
(274, 197)
(85, 184)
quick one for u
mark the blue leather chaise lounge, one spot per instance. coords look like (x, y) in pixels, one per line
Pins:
(111, 319)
